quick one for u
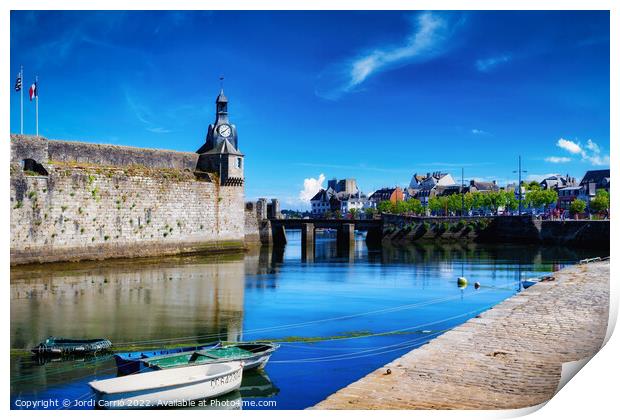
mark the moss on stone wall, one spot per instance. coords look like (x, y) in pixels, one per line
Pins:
(117, 209)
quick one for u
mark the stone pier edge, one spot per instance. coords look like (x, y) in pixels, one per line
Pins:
(508, 357)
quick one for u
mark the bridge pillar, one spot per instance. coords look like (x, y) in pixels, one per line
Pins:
(374, 238)
(307, 242)
(278, 234)
(277, 256)
(345, 240)
(265, 232)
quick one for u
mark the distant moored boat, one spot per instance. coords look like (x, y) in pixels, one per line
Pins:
(56, 346)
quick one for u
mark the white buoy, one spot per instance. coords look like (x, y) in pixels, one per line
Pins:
(477, 285)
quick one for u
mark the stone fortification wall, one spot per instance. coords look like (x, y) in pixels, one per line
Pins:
(87, 201)
(49, 151)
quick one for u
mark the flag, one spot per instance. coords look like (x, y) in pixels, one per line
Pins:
(34, 90)
(18, 83)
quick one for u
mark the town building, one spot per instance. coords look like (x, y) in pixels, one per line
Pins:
(340, 195)
(599, 178)
(427, 183)
(386, 194)
(586, 190)
(344, 186)
(567, 195)
(358, 202)
(482, 187)
(423, 187)
(322, 201)
(555, 182)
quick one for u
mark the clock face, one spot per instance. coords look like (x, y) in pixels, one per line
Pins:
(224, 130)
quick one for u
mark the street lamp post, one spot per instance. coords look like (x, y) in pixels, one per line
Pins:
(519, 185)
(462, 193)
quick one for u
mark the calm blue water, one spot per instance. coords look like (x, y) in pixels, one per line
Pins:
(360, 311)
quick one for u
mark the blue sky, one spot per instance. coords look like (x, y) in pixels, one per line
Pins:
(372, 95)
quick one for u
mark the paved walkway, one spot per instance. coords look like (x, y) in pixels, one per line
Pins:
(509, 357)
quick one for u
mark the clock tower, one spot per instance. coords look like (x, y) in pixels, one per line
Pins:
(220, 153)
(221, 129)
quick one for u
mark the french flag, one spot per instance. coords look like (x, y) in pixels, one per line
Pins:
(34, 91)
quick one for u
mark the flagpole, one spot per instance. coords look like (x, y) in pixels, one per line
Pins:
(36, 101)
(21, 99)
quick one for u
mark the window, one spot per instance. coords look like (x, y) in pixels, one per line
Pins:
(239, 163)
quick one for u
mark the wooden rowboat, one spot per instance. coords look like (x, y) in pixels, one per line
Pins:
(168, 388)
(131, 362)
(56, 346)
(252, 355)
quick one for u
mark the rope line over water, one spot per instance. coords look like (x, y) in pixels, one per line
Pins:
(95, 361)
(305, 323)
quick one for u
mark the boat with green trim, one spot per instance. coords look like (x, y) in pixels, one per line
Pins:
(133, 361)
(252, 355)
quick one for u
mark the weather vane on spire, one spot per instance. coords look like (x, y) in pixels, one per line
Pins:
(222, 82)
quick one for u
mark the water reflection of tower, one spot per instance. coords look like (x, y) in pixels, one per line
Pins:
(262, 267)
(228, 300)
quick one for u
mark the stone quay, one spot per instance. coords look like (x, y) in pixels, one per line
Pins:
(508, 357)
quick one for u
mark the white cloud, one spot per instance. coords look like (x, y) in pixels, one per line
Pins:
(538, 177)
(593, 147)
(311, 187)
(598, 160)
(569, 145)
(557, 159)
(159, 130)
(480, 132)
(591, 153)
(487, 64)
(430, 32)
(144, 115)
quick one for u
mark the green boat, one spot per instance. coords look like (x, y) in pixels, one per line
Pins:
(252, 355)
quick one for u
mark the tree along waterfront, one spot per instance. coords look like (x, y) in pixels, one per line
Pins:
(493, 202)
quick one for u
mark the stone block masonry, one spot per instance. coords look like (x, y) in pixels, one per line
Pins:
(251, 224)
(98, 201)
(510, 356)
(497, 229)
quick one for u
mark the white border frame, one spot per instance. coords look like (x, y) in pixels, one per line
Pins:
(591, 393)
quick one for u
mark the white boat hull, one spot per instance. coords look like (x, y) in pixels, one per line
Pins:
(169, 387)
(256, 363)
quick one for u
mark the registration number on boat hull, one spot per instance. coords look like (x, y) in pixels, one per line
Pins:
(227, 379)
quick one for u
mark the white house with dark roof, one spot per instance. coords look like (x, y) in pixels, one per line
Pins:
(322, 201)
(600, 179)
(555, 182)
(422, 186)
(340, 195)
